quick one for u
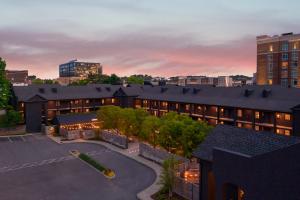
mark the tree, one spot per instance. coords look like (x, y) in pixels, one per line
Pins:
(11, 118)
(128, 122)
(4, 86)
(167, 178)
(109, 116)
(150, 129)
(135, 80)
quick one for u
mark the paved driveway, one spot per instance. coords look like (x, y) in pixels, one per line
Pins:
(35, 168)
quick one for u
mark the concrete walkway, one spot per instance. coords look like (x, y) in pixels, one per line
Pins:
(131, 152)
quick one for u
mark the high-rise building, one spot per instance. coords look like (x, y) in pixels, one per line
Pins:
(278, 60)
(75, 68)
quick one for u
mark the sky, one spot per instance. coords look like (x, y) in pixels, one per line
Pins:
(155, 37)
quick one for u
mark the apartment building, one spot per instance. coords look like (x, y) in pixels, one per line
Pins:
(278, 60)
(262, 108)
(17, 77)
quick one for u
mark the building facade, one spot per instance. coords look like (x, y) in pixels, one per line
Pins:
(17, 77)
(278, 60)
(262, 108)
(240, 164)
(75, 68)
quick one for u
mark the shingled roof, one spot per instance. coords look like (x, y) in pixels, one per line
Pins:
(75, 118)
(58, 92)
(243, 141)
(272, 98)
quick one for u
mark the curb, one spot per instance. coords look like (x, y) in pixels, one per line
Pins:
(146, 193)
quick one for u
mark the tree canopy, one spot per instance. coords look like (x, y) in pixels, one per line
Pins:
(176, 133)
(4, 86)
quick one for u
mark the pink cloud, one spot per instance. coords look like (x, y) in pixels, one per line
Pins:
(126, 54)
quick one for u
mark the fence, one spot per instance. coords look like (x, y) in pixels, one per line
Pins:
(186, 189)
(115, 139)
(156, 154)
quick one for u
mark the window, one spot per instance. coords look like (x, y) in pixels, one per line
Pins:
(87, 101)
(239, 125)
(87, 110)
(287, 132)
(257, 128)
(271, 48)
(287, 117)
(284, 82)
(285, 56)
(102, 101)
(257, 115)
(285, 46)
(112, 100)
(278, 116)
(187, 107)
(239, 113)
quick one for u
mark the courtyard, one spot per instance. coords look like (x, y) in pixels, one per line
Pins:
(34, 167)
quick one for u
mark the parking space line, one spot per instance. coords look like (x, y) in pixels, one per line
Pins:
(23, 139)
(9, 139)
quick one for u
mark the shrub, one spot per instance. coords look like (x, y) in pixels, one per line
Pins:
(92, 162)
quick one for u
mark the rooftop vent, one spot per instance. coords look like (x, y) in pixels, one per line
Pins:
(107, 89)
(185, 90)
(54, 90)
(41, 90)
(196, 90)
(98, 89)
(248, 92)
(163, 89)
(266, 93)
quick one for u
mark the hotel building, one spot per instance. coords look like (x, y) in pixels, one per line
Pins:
(262, 108)
(278, 60)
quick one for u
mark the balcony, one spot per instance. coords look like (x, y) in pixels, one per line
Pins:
(211, 111)
(226, 114)
(245, 115)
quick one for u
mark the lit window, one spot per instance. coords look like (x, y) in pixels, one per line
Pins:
(278, 116)
(87, 101)
(176, 105)
(222, 110)
(287, 132)
(22, 105)
(287, 117)
(102, 101)
(187, 107)
(87, 110)
(239, 125)
(221, 122)
(257, 115)
(239, 113)
(257, 128)
(271, 48)
(113, 100)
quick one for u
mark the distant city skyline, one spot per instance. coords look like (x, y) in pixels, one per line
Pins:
(159, 38)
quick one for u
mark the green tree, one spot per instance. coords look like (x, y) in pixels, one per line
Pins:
(12, 118)
(135, 80)
(37, 81)
(128, 122)
(109, 116)
(150, 129)
(168, 175)
(4, 86)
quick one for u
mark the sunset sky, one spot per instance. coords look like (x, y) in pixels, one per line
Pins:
(156, 37)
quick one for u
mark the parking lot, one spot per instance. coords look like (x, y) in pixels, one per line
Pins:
(35, 168)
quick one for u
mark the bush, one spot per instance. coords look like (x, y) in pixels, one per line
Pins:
(12, 118)
(92, 162)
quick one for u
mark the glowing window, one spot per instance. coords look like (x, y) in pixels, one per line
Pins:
(257, 115)
(287, 117)
(239, 113)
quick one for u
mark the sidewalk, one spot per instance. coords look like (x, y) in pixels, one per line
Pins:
(132, 153)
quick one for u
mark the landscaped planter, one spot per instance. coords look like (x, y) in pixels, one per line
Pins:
(108, 173)
(115, 139)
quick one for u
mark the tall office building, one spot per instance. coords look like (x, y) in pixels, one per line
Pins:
(278, 60)
(75, 68)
